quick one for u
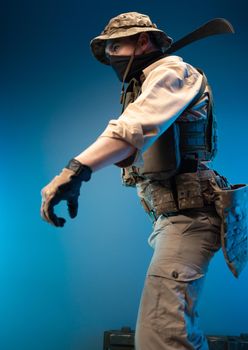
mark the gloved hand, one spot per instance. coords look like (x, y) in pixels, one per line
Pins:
(65, 186)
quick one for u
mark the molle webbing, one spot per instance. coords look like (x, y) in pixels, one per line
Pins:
(198, 138)
(184, 191)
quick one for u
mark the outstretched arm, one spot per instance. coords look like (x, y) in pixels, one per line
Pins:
(66, 186)
(105, 151)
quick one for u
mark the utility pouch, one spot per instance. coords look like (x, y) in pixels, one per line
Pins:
(156, 197)
(189, 193)
(231, 203)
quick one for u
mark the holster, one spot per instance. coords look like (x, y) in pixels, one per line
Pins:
(231, 203)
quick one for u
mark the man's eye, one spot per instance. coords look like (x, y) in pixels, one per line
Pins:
(115, 47)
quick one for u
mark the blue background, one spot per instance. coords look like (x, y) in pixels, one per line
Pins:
(61, 288)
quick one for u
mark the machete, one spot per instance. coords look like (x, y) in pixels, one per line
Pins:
(212, 27)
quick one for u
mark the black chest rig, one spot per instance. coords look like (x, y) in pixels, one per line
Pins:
(181, 148)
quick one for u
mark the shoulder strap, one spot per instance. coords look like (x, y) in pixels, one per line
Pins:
(132, 91)
(202, 89)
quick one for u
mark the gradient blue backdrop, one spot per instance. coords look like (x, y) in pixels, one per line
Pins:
(61, 288)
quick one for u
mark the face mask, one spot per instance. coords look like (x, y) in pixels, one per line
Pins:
(119, 64)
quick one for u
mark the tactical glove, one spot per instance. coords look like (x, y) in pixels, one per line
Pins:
(65, 186)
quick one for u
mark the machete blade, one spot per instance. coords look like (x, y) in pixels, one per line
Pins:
(212, 27)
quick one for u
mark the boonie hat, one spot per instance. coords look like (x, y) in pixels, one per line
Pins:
(124, 25)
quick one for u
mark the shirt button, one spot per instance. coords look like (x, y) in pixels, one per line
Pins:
(174, 274)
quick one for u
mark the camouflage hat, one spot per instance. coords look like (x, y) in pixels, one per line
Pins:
(127, 24)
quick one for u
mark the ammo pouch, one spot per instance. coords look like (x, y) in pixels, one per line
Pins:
(231, 203)
(157, 197)
(169, 196)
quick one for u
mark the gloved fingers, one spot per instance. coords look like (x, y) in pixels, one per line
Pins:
(47, 210)
(73, 206)
(49, 216)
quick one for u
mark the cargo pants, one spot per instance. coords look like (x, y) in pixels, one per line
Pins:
(183, 247)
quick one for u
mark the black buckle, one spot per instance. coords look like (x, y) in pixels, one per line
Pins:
(189, 165)
(153, 216)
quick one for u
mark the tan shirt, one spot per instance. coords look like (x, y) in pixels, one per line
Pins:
(170, 85)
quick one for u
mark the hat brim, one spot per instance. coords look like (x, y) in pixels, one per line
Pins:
(98, 44)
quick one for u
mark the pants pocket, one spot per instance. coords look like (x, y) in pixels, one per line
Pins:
(168, 301)
(174, 270)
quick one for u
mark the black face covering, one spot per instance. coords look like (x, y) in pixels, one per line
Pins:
(119, 64)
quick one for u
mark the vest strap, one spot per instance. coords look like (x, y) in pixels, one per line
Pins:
(201, 91)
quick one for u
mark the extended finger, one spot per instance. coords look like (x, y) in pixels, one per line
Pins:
(73, 206)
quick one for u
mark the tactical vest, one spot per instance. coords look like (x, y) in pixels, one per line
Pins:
(180, 148)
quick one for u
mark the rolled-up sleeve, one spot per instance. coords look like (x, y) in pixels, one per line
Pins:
(166, 92)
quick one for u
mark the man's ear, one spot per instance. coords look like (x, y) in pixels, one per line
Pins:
(143, 41)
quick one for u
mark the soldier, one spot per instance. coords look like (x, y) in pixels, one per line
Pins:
(164, 142)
